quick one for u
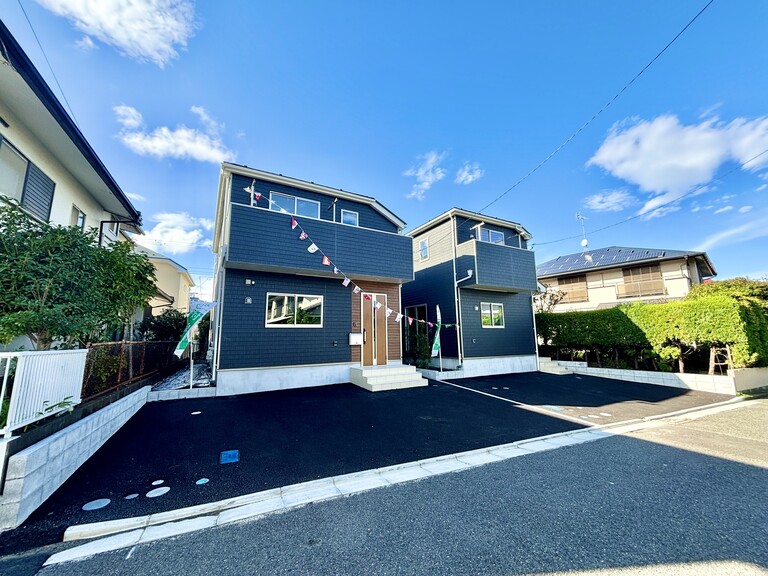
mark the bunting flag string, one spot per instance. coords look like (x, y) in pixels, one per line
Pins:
(326, 261)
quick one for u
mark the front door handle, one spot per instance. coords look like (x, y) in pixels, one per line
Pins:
(365, 334)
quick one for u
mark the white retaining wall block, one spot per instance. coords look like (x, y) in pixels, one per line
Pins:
(701, 382)
(749, 378)
(38, 471)
(473, 367)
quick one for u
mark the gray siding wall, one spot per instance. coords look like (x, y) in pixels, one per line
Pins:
(517, 336)
(38, 193)
(433, 286)
(264, 237)
(247, 343)
(505, 267)
(367, 216)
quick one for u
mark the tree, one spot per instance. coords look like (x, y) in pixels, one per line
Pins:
(58, 284)
(167, 327)
(547, 300)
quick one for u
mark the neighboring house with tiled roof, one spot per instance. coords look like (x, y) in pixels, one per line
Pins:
(616, 275)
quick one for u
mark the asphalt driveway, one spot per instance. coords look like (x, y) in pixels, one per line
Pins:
(294, 436)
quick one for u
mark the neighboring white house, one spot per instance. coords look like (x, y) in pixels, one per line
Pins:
(46, 162)
(172, 280)
(619, 275)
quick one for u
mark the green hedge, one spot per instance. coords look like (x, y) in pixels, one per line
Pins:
(669, 329)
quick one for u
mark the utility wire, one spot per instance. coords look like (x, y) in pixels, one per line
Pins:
(64, 96)
(593, 118)
(636, 216)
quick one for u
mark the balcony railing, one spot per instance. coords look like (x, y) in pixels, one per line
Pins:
(574, 294)
(639, 289)
(497, 266)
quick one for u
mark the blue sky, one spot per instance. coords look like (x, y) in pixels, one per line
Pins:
(427, 106)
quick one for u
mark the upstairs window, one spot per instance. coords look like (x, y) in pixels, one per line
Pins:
(575, 288)
(13, 171)
(641, 281)
(294, 205)
(423, 249)
(349, 217)
(491, 236)
(78, 218)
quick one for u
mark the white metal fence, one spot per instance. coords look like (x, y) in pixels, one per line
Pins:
(39, 384)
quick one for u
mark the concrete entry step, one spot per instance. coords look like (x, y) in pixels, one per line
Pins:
(549, 366)
(388, 377)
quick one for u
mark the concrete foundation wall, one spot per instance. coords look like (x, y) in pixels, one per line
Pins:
(749, 378)
(486, 367)
(245, 381)
(36, 472)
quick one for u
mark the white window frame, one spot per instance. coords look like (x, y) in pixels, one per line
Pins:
(490, 234)
(346, 212)
(77, 214)
(295, 297)
(425, 242)
(293, 211)
(23, 176)
(491, 306)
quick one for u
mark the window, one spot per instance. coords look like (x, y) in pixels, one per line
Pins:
(492, 236)
(492, 315)
(294, 205)
(423, 249)
(349, 217)
(641, 281)
(419, 326)
(294, 311)
(78, 218)
(13, 171)
(114, 227)
(575, 288)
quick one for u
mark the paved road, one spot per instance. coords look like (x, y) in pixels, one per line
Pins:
(684, 499)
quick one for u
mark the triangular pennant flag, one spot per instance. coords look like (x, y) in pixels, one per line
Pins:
(346, 281)
(389, 312)
(410, 320)
(249, 189)
(293, 223)
(430, 324)
(356, 290)
(398, 317)
(377, 305)
(303, 236)
(257, 195)
(367, 296)
(335, 270)
(326, 261)
(312, 248)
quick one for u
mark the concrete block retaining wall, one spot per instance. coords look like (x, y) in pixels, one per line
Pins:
(36, 472)
(486, 367)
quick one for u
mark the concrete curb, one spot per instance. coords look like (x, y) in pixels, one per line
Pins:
(124, 533)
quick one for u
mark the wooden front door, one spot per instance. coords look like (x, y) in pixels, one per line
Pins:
(374, 330)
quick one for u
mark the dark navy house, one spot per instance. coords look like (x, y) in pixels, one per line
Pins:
(285, 317)
(480, 272)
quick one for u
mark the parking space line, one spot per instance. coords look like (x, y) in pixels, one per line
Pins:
(524, 406)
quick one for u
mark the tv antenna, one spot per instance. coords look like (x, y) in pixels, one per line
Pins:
(584, 242)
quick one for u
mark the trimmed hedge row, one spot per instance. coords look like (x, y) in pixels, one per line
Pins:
(669, 330)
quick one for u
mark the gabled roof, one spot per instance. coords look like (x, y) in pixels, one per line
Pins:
(303, 184)
(152, 255)
(467, 214)
(615, 257)
(29, 97)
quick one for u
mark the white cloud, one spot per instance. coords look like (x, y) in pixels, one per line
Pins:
(745, 209)
(761, 187)
(610, 201)
(468, 173)
(176, 233)
(180, 142)
(750, 231)
(723, 209)
(146, 30)
(85, 43)
(128, 116)
(136, 197)
(666, 159)
(426, 173)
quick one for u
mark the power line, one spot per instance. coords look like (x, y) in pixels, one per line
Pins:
(592, 119)
(61, 90)
(639, 215)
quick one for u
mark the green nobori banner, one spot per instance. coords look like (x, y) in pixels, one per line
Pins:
(200, 310)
